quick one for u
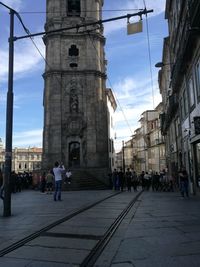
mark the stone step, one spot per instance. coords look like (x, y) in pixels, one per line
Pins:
(82, 180)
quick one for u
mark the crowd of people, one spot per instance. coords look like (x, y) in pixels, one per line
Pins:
(119, 180)
(130, 180)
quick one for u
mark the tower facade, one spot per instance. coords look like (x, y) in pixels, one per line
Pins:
(75, 108)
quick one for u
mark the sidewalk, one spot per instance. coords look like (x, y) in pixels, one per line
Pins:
(32, 210)
(161, 230)
(164, 232)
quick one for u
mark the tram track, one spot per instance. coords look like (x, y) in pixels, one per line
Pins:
(90, 260)
(101, 240)
(50, 226)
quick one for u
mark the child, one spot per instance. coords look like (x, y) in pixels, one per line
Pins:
(68, 176)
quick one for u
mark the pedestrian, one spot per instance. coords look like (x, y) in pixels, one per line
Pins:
(128, 179)
(155, 181)
(58, 170)
(134, 181)
(49, 182)
(184, 182)
(142, 180)
(115, 179)
(68, 176)
(121, 179)
(147, 181)
(43, 182)
(19, 182)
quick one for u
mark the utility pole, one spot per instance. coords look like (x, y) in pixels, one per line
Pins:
(9, 121)
(9, 108)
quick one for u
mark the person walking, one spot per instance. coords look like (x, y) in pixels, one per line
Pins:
(121, 179)
(49, 182)
(58, 170)
(184, 182)
(134, 181)
(128, 179)
(115, 179)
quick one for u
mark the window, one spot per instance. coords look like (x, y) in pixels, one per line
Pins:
(73, 8)
(198, 79)
(73, 51)
(191, 92)
(185, 103)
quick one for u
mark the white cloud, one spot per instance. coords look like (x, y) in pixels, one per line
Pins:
(135, 96)
(158, 7)
(15, 4)
(28, 138)
(26, 58)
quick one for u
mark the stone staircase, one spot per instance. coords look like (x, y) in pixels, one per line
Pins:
(83, 180)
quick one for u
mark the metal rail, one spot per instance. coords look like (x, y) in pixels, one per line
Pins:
(98, 249)
(29, 238)
(101, 244)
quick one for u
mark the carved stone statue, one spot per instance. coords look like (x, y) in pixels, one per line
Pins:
(73, 101)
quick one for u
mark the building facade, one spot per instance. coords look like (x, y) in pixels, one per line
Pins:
(145, 151)
(23, 159)
(76, 129)
(181, 89)
(111, 106)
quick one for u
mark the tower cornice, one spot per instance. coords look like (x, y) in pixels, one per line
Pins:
(74, 73)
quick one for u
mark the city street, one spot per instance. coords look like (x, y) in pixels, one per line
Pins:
(161, 229)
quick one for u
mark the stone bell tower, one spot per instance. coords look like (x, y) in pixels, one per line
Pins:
(75, 107)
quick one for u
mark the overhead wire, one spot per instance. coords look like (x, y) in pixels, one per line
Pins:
(149, 55)
(102, 64)
(32, 40)
(28, 32)
(105, 10)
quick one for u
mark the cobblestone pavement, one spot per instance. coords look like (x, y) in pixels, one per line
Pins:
(162, 229)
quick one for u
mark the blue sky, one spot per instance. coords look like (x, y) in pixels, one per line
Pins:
(128, 69)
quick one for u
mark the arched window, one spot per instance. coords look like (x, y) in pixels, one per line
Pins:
(73, 8)
(73, 51)
(74, 154)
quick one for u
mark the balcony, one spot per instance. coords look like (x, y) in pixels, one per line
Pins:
(194, 11)
(186, 44)
(173, 106)
(165, 120)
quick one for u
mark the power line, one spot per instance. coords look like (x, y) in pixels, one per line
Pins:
(112, 87)
(83, 25)
(149, 54)
(29, 35)
(89, 11)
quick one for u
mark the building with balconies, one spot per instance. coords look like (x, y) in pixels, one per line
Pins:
(181, 89)
(148, 148)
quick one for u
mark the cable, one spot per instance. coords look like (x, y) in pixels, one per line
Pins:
(111, 86)
(149, 54)
(28, 32)
(104, 10)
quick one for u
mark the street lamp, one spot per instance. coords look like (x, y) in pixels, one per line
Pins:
(161, 64)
